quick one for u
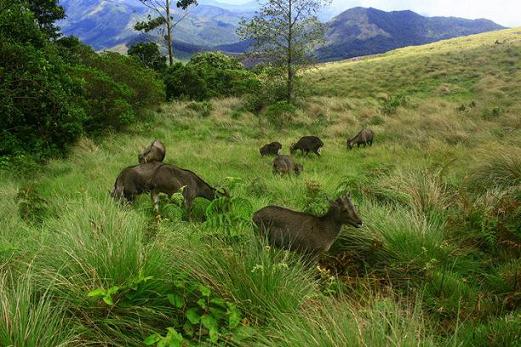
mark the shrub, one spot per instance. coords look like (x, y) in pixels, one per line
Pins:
(271, 88)
(51, 92)
(214, 61)
(38, 116)
(149, 55)
(280, 114)
(184, 82)
(145, 85)
(224, 75)
(207, 75)
(107, 103)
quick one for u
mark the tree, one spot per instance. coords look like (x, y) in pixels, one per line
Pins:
(285, 34)
(46, 13)
(149, 55)
(164, 20)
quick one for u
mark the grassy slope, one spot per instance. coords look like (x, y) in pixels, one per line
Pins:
(437, 263)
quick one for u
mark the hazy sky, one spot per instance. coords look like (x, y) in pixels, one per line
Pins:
(504, 12)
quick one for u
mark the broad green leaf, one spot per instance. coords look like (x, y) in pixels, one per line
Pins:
(175, 339)
(97, 292)
(205, 291)
(193, 316)
(214, 335)
(234, 317)
(108, 300)
(217, 312)
(219, 302)
(209, 322)
(152, 339)
(112, 290)
(176, 300)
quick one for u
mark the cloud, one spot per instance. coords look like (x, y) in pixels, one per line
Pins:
(505, 12)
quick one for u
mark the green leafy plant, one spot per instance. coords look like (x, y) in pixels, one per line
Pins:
(200, 315)
(229, 213)
(124, 291)
(280, 114)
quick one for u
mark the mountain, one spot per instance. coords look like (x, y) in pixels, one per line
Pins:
(108, 24)
(365, 31)
(250, 6)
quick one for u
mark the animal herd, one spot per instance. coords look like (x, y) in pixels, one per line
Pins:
(282, 227)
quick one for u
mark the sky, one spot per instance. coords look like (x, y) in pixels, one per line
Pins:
(504, 12)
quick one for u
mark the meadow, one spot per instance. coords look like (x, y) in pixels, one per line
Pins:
(436, 264)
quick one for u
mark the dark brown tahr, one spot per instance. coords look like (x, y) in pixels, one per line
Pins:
(364, 137)
(304, 232)
(308, 144)
(270, 149)
(170, 179)
(156, 178)
(284, 165)
(155, 152)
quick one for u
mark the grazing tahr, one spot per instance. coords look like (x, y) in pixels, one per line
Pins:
(156, 178)
(169, 179)
(134, 181)
(271, 149)
(304, 232)
(155, 152)
(364, 137)
(285, 165)
(308, 144)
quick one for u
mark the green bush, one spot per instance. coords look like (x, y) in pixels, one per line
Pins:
(38, 116)
(145, 84)
(184, 82)
(209, 75)
(51, 92)
(270, 88)
(149, 55)
(280, 114)
(106, 102)
(203, 109)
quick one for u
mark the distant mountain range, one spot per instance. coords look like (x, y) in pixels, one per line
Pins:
(363, 31)
(108, 24)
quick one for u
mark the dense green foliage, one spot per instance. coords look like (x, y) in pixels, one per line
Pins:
(207, 75)
(36, 94)
(149, 54)
(53, 92)
(46, 13)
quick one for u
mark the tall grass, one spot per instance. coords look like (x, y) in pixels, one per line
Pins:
(97, 245)
(382, 322)
(264, 282)
(30, 317)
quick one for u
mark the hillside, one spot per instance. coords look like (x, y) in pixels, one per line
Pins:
(437, 262)
(365, 31)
